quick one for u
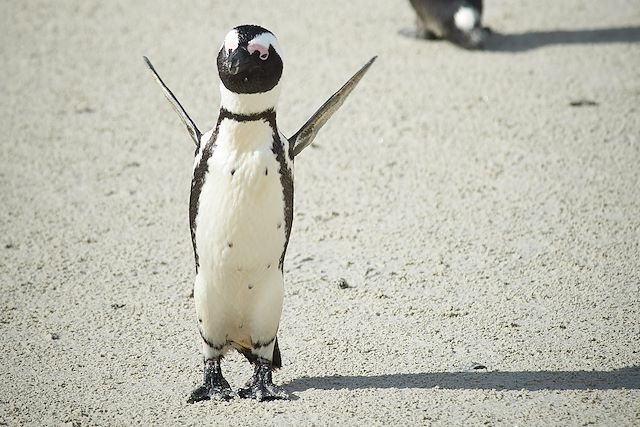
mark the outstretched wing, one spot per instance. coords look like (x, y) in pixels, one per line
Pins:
(191, 127)
(307, 133)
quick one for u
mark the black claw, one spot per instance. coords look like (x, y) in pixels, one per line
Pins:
(260, 386)
(215, 387)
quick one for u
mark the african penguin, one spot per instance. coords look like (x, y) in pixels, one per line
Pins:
(241, 210)
(458, 21)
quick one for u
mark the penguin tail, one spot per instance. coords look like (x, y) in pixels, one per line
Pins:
(276, 362)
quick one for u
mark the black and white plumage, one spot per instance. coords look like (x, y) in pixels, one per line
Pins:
(458, 21)
(241, 210)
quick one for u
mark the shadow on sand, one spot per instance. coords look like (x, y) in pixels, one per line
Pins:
(522, 42)
(624, 378)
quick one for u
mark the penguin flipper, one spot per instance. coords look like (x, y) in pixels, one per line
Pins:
(191, 126)
(307, 133)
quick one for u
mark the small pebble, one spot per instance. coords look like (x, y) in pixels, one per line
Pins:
(342, 283)
(477, 366)
(583, 103)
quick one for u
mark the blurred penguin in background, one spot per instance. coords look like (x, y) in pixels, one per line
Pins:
(458, 21)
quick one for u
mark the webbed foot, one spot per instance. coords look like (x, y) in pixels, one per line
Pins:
(261, 386)
(215, 387)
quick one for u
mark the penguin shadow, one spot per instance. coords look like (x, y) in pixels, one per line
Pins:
(624, 378)
(522, 42)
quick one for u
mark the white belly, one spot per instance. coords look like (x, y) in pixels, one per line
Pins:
(240, 236)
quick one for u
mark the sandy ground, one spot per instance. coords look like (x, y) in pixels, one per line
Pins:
(478, 218)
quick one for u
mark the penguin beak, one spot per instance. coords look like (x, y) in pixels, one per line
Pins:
(238, 61)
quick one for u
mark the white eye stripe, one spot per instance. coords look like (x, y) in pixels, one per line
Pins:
(231, 40)
(266, 40)
(262, 50)
(261, 43)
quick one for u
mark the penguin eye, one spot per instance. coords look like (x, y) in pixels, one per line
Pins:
(263, 51)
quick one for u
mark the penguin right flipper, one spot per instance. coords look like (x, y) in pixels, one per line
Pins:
(307, 133)
(191, 126)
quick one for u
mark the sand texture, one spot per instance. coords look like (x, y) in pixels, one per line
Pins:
(483, 209)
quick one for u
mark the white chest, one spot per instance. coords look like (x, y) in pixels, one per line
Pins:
(240, 226)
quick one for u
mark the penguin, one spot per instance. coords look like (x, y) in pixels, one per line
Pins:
(458, 21)
(241, 210)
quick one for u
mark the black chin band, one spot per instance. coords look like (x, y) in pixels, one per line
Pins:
(268, 115)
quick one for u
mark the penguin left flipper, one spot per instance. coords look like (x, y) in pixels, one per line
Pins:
(307, 133)
(179, 109)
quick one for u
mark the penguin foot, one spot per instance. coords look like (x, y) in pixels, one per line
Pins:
(206, 392)
(215, 387)
(261, 386)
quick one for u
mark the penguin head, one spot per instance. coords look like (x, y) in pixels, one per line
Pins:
(249, 60)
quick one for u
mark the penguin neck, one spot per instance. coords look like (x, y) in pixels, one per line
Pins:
(248, 104)
(247, 121)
